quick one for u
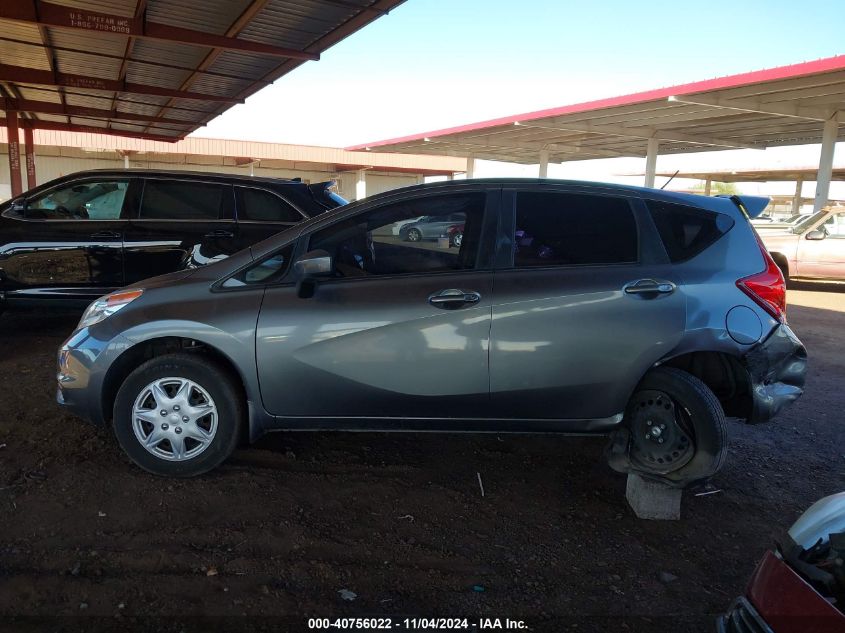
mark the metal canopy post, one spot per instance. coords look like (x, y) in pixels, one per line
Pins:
(361, 184)
(30, 157)
(14, 153)
(544, 163)
(651, 161)
(831, 129)
(708, 184)
(796, 200)
(470, 166)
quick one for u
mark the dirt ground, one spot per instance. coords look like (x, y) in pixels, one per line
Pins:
(90, 542)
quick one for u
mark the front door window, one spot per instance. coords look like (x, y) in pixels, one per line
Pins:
(385, 242)
(93, 200)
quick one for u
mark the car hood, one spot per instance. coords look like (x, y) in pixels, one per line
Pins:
(823, 518)
(164, 280)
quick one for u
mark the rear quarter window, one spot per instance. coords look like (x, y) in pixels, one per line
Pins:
(687, 231)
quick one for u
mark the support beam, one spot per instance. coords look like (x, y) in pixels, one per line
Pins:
(234, 30)
(796, 199)
(45, 107)
(641, 132)
(14, 153)
(49, 14)
(31, 181)
(755, 106)
(23, 75)
(470, 173)
(90, 129)
(544, 163)
(492, 144)
(651, 161)
(829, 134)
(130, 59)
(361, 184)
(707, 186)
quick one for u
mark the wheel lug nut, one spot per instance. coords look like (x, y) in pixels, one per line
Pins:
(176, 407)
(185, 418)
(163, 412)
(662, 426)
(178, 429)
(165, 426)
(648, 422)
(660, 441)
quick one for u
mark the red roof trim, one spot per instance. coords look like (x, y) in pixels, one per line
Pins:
(819, 66)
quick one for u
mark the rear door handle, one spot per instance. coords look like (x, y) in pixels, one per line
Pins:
(649, 286)
(106, 235)
(220, 233)
(453, 298)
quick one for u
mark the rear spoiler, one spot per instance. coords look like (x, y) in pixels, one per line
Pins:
(325, 193)
(752, 206)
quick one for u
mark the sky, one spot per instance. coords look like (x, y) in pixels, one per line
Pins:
(432, 64)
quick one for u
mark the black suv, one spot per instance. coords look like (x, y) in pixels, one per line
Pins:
(83, 235)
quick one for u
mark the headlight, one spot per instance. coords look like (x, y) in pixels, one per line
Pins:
(106, 306)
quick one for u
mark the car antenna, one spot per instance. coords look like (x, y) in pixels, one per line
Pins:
(671, 179)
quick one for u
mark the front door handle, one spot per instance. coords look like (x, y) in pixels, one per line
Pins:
(649, 286)
(220, 233)
(106, 235)
(453, 298)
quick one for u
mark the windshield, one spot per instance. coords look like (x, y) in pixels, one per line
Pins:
(803, 226)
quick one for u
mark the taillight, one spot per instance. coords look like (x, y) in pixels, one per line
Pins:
(767, 288)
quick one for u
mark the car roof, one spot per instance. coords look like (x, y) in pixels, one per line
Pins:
(709, 202)
(180, 173)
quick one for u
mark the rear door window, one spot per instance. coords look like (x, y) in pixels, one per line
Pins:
(569, 229)
(185, 200)
(258, 205)
(686, 231)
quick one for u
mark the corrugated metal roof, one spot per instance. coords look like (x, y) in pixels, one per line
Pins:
(178, 62)
(778, 106)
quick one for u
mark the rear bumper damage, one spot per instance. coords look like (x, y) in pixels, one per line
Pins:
(777, 368)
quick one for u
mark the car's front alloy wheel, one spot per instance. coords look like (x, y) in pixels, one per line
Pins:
(414, 235)
(178, 415)
(174, 418)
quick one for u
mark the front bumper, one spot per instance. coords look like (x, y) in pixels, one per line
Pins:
(777, 368)
(83, 361)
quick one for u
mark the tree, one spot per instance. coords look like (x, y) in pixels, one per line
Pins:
(719, 188)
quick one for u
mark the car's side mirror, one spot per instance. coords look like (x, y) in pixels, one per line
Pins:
(19, 204)
(818, 234)
(309, 268)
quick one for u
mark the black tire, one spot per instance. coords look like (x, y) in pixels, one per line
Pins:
(456, 240)
(699, 408)
(413, 235)
(214, 379)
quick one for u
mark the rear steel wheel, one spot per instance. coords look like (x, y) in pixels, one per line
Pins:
(661, 432)
(674, 430)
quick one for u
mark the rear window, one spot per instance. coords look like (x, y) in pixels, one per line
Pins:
(175, 200)
(563, 229)
(262, 206)
(686, 231)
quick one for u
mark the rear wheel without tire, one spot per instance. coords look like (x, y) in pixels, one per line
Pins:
(178, 415)
(677, 428)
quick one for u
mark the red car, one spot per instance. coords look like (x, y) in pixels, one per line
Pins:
(456, 235)
(800, 586)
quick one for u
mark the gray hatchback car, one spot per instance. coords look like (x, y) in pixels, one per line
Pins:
(569, 307)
